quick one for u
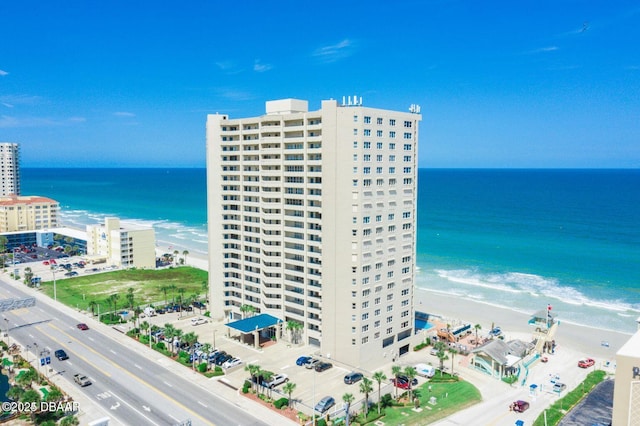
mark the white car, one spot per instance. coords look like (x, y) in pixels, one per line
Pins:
(231, 363)
(198, 321)
(276, 380)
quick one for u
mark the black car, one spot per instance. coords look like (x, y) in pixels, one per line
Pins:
(321, 366)
(61, 355)
(414, 382)
(352, 377)
(198, 305)
(223, 359)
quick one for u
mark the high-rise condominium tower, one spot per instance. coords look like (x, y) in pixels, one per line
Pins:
(312, 219)
(9, 168)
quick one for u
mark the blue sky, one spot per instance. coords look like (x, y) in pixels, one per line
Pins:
(500, 84)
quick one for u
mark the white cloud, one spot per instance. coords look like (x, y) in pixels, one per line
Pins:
(335, 52)
(234, 95)
(543, 50)
(124, 114)
(258, 67)
(12, 100)
(3, 73)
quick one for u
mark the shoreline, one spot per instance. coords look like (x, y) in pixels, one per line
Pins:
(586, 340)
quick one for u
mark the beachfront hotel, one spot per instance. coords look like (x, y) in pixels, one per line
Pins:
(27, 213)
(9, 168)
(126, 245)
(312, 221)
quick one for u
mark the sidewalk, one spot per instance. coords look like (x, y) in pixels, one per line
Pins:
(91, 411)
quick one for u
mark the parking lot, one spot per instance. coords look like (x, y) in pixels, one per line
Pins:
(280, 358)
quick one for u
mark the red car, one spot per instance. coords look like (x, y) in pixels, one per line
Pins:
(400, 383)
(586, 363)
(519, 406)
(83, 326)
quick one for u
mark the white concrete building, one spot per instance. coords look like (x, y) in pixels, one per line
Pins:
(121, 244)
(9, 168)
(312, 219)
(626, 391)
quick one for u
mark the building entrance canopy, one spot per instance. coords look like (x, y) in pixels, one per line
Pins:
(258, 322)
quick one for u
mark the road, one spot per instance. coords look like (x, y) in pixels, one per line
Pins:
(131, 387)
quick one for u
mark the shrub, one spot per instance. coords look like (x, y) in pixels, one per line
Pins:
(282, 402)
(160, 346)
(246, 386)
(202, 367)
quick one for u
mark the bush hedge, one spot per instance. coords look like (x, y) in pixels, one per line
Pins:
(282, 402)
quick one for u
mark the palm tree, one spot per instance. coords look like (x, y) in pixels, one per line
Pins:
(175, 257)
(366, 388)
(411, 374)
(169, 334)
(379, 377)
(28, 275)
(92, 306)
(348, 399)
(144, 327)
(245, 309)
(3, 243)
(54, 395)
(288, 388)
(253, 370)
(453, 353)
(184, 255)
(31, 396)
(130, 297)
(477, 328)
(396, 370)
(177, 338)
(113, 299)
(165, 289)
(294, 327)
(190, 338)
(440, 347)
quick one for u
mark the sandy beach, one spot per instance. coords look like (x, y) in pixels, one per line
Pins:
(583, 340)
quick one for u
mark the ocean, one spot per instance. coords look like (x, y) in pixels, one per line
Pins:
(522, 239)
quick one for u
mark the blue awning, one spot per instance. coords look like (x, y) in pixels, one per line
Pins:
(257, 322)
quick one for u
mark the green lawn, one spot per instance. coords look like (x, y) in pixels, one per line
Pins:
(451, 397)
(79, 292)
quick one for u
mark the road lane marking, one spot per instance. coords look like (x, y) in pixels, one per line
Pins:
(141, 381)
(202, 403)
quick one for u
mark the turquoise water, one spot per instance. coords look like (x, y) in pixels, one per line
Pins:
(516, 238)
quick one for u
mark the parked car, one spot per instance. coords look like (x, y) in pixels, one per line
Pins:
(276, 380)
(61, 355)
(325, 403)
(223, 359)
(495, 331)
(198, 305)
(425, 370)
(83, 326)
(414, 382)
(559, 387)
(231, 363)
(198, 321)
(519, 406)
(400, 383)
(71, 274)
(586, 362)
(322, 366)
(311, 363)
(353, 377)
(302, 360)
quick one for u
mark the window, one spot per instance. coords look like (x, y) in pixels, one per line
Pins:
(407, 147)
(367, 170)
(367, 157)
(407, 181)
(366, 219)
(367, 132)
(392, 170)
(355, 144)
(378, 157)
(379, 218)
(379, 145)
(365, 316)
(365, 328)
(355, 118)
(389, 319)
(366, 182)
(392, 122)
(365, 339)
(392, 146)
(392, 158)
(407, 135)
(379, 182)
(392, 135)
(376, 324)
(405, 169)
(407, 158)
(379, 133)
(389, 330)
(365, 305)
(407, 124)
(367, 120)
(379, 170)
(355, 157)
(379, 120)
(367, 145)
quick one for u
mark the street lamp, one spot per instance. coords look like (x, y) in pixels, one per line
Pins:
(35, 345)
(55, 294)
(214, 338)
(28, 347)
(8, 338)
